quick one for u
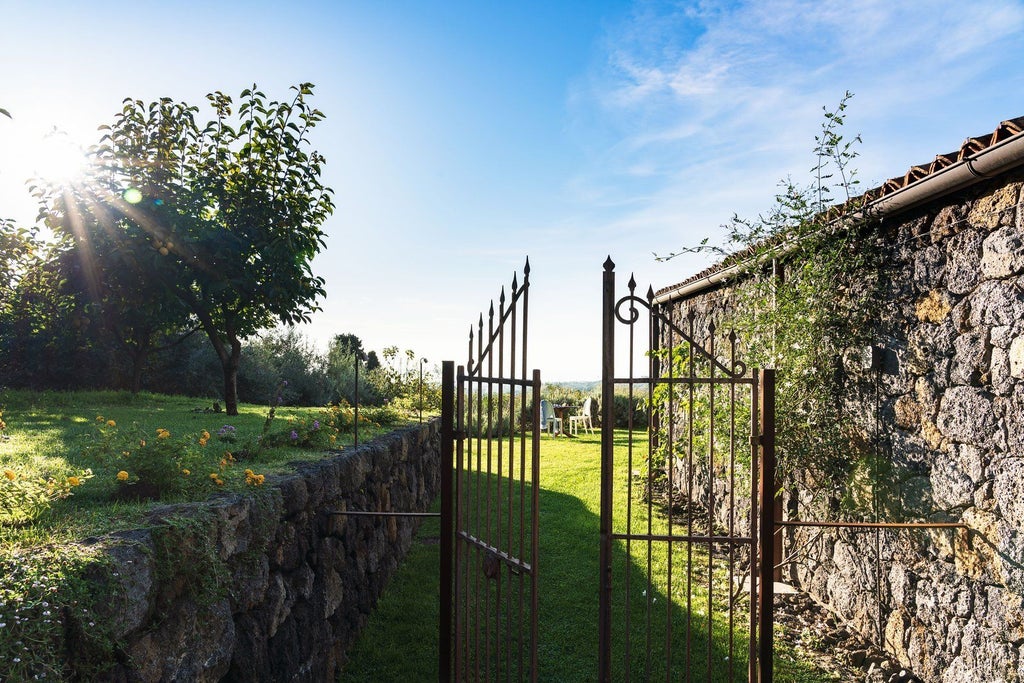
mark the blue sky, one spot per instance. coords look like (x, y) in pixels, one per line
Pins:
(463, 136)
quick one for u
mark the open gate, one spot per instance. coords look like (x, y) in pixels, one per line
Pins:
(490, 517)
(686, 515)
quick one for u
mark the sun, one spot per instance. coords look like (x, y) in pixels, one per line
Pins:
(57, 159)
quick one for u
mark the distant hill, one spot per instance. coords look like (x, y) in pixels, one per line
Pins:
(578, 386)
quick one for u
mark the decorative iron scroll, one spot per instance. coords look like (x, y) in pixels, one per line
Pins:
(738, 369)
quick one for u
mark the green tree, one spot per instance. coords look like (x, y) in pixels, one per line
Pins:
(219, 222)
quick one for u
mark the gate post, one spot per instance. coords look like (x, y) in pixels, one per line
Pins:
(766, 597)
(604, 618)
(447, 526)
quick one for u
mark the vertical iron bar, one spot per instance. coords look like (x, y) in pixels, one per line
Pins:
(607, 461)
(489, 655)
(476, 494)
(711, 488)
(535, 530)
(767, 536)
(689, 495)
(753, 521)
(461, 520)
(444, 672)
(355, 419)
(732, 498)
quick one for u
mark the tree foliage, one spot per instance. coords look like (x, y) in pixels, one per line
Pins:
(211, 225)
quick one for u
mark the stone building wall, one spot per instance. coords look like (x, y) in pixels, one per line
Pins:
(265, 588)
(940, 395)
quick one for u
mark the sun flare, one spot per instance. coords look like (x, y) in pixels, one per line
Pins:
(56, 159)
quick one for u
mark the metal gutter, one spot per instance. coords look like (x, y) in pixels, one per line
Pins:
(986, 163)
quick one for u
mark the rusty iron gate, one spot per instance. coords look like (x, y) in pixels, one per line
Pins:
(687, 522)
(490, 517)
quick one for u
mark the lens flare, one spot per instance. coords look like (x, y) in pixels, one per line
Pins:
(132, 195)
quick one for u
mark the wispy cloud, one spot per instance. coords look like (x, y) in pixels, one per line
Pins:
(701, 95)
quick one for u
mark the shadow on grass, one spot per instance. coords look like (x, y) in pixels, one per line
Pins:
(400, 640)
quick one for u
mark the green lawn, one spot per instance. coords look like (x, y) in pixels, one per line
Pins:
(400, 640)
(48, 435)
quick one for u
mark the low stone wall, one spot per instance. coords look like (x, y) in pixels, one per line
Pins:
(266, 588)
(942, 396)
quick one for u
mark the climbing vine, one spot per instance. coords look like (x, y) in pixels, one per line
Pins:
(802, 303)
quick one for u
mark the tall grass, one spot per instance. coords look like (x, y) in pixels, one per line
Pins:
(400, 640)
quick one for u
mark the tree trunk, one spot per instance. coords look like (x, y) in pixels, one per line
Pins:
(230, 366)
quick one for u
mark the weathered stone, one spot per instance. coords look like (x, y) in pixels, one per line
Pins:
(999, 377)
(994, 209)
(969, 361)
(1002, 253)
(1016, 358)
(963, 265)
(907, 412)
(929, 267)
(1008, 488)
(997, 303)
(951, 487)
(934, 306)
(966, 415)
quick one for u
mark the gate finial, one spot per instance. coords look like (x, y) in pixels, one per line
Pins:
(609, 265)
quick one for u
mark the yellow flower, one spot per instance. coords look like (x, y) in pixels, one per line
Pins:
(99, 418)
(142, 443)
(74, 481)
(122, 476)
(205, 435)
(186, 472)
(218, 481)
(111, 423)
(162, 433)
(125, 453)
(10, 474)
(202, 442)
(214, 475)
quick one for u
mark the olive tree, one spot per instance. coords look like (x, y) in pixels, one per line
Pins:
(213, 225)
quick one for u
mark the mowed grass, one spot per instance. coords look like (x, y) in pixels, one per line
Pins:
(400, 640)
(46, 433)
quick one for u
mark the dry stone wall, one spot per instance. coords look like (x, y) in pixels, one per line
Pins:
(940, 396)
(265, 588)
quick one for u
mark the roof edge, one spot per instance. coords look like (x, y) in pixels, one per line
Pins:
(985, 163)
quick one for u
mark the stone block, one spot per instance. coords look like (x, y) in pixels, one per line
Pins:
(1008, 488)
(997, 303)
(970, 360)
(951, 486)
(963, 262)
(1002, 253)
(1016, 357)
(966, 415)
(934, 306)
(994, 209)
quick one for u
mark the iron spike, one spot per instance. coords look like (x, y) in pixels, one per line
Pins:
(650, 293)
(609, 264)
(515, 284)
(501, 299)
(632, 283)
(526, 268)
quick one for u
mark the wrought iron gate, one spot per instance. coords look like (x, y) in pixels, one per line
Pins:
(489, 584)
(686, 516)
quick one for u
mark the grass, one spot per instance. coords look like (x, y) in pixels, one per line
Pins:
(51, 435)
(400, 640)
(48, 434)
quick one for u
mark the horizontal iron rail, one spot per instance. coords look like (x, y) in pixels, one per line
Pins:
(876, 525)
(743, 379)
(683, 539)
(386, 513)
(526, 383)
(504, 556)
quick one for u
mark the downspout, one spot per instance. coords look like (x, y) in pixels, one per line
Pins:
(987, 163)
